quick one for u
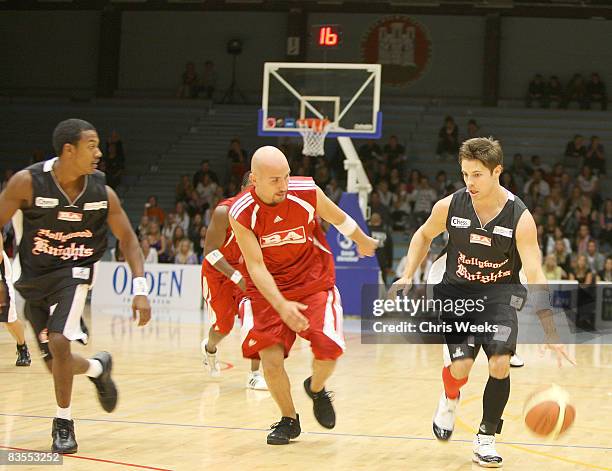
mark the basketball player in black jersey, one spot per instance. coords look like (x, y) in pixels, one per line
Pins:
(491, 236)
(61, 211)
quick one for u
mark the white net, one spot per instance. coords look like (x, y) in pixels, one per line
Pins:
(313, 132)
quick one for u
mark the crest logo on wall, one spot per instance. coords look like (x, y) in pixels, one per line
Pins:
(401, 45)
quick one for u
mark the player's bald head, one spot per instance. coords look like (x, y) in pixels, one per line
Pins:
(270, 174)
(269, 160)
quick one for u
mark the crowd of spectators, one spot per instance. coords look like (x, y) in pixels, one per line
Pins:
(578, 90)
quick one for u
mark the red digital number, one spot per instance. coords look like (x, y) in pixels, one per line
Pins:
(327, 37)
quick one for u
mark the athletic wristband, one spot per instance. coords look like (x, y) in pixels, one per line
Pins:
(347, 227)
(213, 256)
(236, 277)
(139, 286)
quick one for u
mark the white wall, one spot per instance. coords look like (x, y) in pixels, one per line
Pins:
(455, 67)
(49, 49)
(552, 46)
(156, 45)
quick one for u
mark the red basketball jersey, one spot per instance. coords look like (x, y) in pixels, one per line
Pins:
(229, 249)
(293, 245)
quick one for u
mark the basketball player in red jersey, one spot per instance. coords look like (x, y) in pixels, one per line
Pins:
(222, 285)
(291, 288)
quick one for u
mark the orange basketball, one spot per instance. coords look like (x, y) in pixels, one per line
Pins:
(548, 411)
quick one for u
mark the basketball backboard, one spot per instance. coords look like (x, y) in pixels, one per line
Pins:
(348, 95)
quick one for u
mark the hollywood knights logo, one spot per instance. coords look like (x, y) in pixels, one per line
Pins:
(401, 45)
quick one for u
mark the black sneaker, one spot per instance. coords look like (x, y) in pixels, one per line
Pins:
(284, 430)
(64, 440)
(107, 391)
(321, 405)
(23, 356)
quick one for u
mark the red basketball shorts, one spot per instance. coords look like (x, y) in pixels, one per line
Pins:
(263, 327)
(221, 303)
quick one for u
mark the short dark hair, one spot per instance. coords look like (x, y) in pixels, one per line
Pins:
(69, 132)
(485, 149)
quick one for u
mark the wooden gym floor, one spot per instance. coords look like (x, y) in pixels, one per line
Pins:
(172, 416)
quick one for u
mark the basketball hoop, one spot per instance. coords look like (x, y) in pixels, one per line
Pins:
(313, 130)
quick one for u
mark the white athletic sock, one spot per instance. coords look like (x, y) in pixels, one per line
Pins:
(95, 368)
(64, 413)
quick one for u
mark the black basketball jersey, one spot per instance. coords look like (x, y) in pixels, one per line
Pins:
(482, 261)
(59, 240)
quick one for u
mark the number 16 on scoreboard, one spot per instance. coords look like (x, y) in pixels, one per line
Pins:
(327, 36)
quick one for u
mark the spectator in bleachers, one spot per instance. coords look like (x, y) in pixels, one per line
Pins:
(208, 82)
(156, 239)
(473, 130)
(184, 188)
(149, 253)
(572, 220)
(562, 255)
(537, 181)
(178, 235)
(554, 177)
(384, 252)
(169, 225)
(143, 226)
(153, 211)
(206, 189)
(184, 253)
(182, 218)
(394, 179)
(566, 184)
(541, 235)
(448, 139)
(575, 150)
(554, 91)
(166, 253)
(581, 272)
(196, 204)
(197, 221)
(8, 173)
(595, 258)
(507, 181)
(558, 235)
(204, 170)
(401, 208)
(552, 271)
(537, 164)
(606, 273)
(605, 225)
(376, 206)
(576, 91)
(370, 151)
(424, 197)
(394, 153)
(520, 170)
(595, 156)
(321, 174)
(238, 158)
(536, 92)
(596, 92)
(555, 203)
(441, 185)
(414, 179)
(199, 245)
(385, 195)
(333, 191)
(582, 238)
(587, 182)
(114, 160)
(550, 225)
(189, 82)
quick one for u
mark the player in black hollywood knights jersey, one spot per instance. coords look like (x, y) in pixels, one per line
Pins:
(61, 210)
(491, 236)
